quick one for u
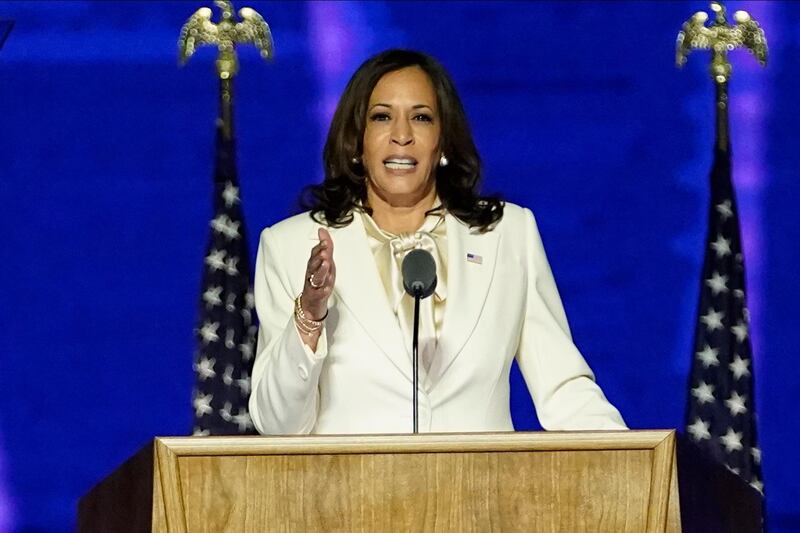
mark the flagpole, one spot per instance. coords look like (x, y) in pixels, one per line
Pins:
(721, 73)
(720, 412)
(225, 120)
(226, 327)
(722, 135)
(227, 67)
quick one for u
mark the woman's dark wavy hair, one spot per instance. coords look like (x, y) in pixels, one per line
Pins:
(344, 189)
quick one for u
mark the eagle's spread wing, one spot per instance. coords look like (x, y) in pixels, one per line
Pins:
(752, 37)
(694, 35)
(197, 31)
(254, 29)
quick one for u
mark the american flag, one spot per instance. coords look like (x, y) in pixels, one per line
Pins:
(226, 326)
(720, 414)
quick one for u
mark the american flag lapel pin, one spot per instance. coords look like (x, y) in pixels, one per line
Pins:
(475, 258)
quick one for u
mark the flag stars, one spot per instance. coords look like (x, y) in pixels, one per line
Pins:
(202, 404)
(756, 453)
(230, 334)
(243, 420)
(227, 227)
(758, 485)
(246, 350)
(699, 430)
(732, 440)
(713, 319)
(230, 194)
(725, 210)
(231, 266)
(212, 296)
(216, 260)
(225, 331)
(718, 283)
(247, 317)
(227, 377)
(230, 302)
(722, 246)
(244, 383)
(721, 414)
(704, 393)
(739, 367)
(208, 333)
(708, 356)
(205, 368)
(735, 404)
(740, 330)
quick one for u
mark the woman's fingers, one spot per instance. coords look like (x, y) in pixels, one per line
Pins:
(321, 254)
(325, 238)
(317, 273)
(326, 253)
(324, 249)
(313, 264)
(320, 263)
(320, 276)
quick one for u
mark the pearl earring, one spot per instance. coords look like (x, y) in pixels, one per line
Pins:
(443, 161)
(355, 160)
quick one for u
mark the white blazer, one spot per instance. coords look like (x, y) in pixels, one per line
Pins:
(360, 380)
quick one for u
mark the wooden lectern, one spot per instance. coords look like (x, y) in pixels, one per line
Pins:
(544, 481)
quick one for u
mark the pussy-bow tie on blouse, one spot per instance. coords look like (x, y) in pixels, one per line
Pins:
(394, 249)
(389, 255)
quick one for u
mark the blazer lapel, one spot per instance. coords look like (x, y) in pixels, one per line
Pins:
(359, 288)
(471, 263)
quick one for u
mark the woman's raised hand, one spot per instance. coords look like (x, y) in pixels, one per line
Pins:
(320, 278)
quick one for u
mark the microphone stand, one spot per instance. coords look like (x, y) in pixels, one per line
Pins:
(415, 362)
(419, 281)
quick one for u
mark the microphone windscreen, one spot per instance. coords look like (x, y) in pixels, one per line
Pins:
(419, 273)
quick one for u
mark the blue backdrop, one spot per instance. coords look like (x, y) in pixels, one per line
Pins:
(579, 113)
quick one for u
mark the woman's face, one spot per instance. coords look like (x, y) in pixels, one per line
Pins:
(401, 138)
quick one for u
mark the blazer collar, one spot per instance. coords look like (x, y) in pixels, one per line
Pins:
(471, 260)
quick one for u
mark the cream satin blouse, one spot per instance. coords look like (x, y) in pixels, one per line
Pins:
(389, 250)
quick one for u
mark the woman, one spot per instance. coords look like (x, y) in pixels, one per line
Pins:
(333, 356)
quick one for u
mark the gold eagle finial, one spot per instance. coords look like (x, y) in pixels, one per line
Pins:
(199, 31)
(721, 38)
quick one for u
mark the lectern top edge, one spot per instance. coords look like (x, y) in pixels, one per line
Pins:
(425, 443)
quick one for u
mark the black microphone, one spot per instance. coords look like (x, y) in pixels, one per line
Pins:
(419, 273)
(419, 280)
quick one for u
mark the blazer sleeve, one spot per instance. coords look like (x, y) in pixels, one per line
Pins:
(560, 381)
(285, 380)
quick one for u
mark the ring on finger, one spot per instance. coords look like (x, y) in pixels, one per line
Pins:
(314, 285)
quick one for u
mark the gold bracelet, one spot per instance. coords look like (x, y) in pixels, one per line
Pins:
(305, 324)
(301, 314)
(303, 329)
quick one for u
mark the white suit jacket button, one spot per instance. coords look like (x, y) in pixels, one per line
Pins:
(303, 371)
